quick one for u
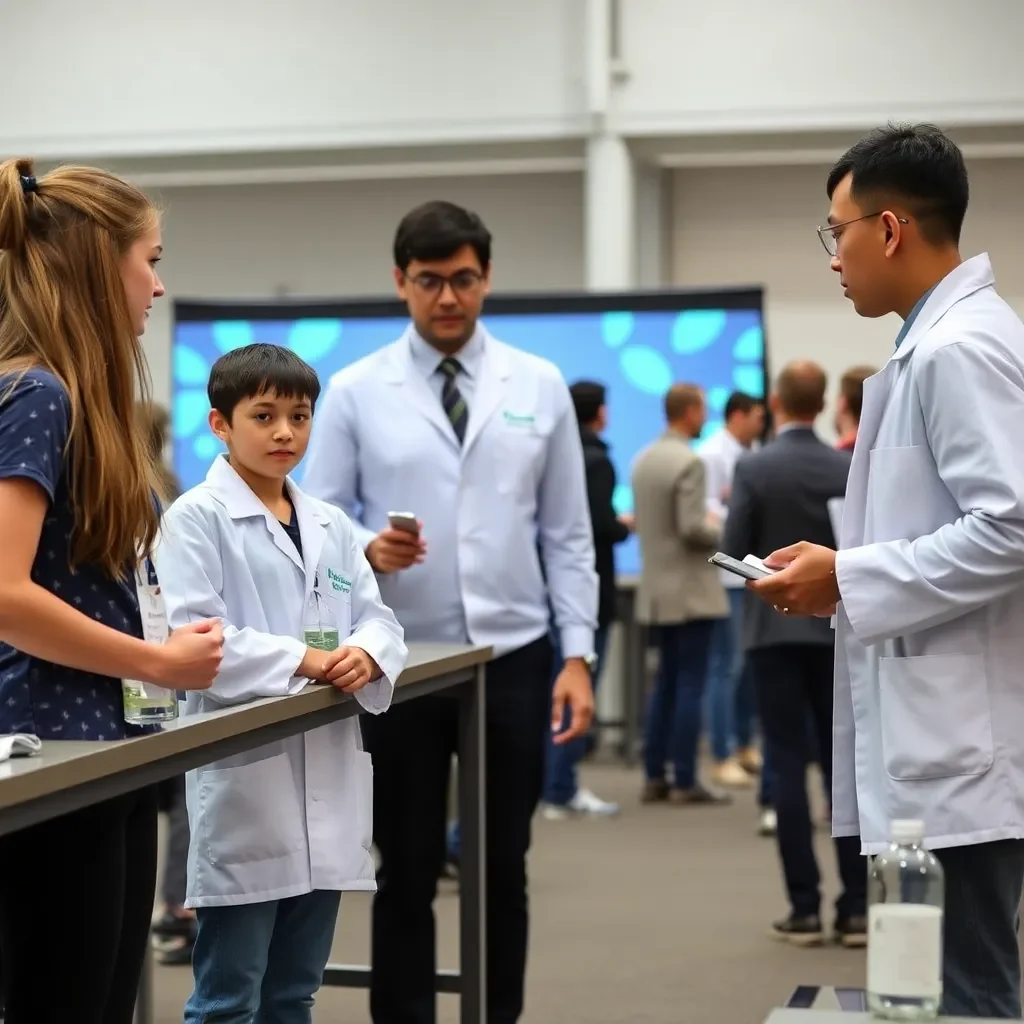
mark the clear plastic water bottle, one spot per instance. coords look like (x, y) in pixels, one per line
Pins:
(905, 903)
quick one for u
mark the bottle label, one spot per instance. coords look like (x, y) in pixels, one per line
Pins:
(905, 950)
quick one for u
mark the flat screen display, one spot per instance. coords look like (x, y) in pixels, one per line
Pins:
(634, 344)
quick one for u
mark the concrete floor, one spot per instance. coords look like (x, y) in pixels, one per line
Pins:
(659, 916)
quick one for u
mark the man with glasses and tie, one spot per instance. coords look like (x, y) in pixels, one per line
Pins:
(478, 441)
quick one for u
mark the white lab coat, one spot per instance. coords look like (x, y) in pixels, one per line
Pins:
(296, 814)
(382, 441)
(929, 710)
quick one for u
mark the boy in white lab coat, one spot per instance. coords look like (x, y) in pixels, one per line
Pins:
(276, 833)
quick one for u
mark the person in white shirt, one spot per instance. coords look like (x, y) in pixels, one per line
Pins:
(729, 696)
(479, 441)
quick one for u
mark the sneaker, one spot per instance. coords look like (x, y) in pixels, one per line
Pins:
(799, 931)
(768, 823)
(587, 802)
(750, 759)
(655, 791)
(851, 932)
(730, 775)
(698, 796)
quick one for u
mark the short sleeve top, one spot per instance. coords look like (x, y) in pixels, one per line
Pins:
(37, 696)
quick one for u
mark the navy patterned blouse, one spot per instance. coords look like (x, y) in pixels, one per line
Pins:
(36, 696)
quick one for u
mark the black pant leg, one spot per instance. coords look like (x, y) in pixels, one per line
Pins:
(518, 719)
(77, 892)
(411, 746)
(853, 870)
(779, 674)
(981, 959)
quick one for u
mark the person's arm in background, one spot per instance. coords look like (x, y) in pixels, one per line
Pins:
(740, 537)
(376, 631)
(332, 459)
(692, 523)
(715, 481)
(601, 495)
(565, 534)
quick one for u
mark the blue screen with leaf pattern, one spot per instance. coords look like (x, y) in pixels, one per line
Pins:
(635, 353)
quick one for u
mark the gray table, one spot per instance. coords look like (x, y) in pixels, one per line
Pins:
(68, 775)
(838, 1017)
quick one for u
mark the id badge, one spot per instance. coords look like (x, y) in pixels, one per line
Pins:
(145, 701)
(319, 630)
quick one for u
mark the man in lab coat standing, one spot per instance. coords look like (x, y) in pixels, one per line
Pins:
(479, 441)
(928, 584)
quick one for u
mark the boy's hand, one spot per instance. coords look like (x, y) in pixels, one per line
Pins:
(350, 669)
(314, 665)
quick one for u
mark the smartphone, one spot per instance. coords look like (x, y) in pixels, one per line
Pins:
(404, 521)
(751, 568)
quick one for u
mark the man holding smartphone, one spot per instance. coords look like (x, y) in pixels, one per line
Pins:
(479, 441)
(928, 584)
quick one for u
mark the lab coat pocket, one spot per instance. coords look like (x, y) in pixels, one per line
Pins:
(523, 441)
(249, 813)
(936, 717)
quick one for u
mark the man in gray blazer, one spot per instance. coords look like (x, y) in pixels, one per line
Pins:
(780, 495)
(679, 597)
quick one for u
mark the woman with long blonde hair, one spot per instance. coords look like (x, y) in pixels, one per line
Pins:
(78, 255)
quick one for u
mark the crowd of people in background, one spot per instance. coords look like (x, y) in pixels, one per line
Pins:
(254, 573)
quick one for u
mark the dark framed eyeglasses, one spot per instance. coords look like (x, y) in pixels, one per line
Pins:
(827, 232)
(462, 282)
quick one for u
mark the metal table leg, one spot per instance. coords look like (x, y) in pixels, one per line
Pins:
(472, 877)
(144, 998)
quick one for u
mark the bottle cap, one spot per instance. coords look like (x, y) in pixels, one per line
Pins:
(907, 830)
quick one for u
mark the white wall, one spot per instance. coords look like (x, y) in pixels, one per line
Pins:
(330, 240)
(757, 226)
(747, 65)
(128, 77)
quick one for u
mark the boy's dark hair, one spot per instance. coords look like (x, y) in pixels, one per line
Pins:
(255, 370)
(740, 401)
(436, 231)
(588, 396)
(915, 163)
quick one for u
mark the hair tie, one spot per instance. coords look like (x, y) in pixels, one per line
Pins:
(29, 184)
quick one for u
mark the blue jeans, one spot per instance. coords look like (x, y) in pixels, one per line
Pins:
(560, 783)
(261, 963)
(674, 712)
(730, 709)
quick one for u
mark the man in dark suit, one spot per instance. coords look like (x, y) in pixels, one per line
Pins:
(563, 797)
(780, 495)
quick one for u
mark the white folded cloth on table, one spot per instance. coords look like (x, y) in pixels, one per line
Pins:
(19, 744)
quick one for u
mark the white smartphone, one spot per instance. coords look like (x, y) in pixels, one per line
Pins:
(751, 568)
(403, 521)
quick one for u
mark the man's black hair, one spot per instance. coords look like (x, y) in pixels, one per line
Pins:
(918, 164)
(740, 401)
(436, 231)
(258, 370)
(588, 396)
(914, 163)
